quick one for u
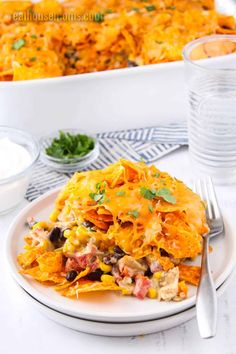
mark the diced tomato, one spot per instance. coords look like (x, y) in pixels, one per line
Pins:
(142, 284)
(87, 260)
(72, 264)
(82, 261)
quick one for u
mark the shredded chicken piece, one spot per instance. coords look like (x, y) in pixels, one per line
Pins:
(37, 236)
(128, 266)
(127, 284)
(169, 285)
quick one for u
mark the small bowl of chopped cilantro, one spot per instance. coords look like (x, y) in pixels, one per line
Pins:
(69, 150)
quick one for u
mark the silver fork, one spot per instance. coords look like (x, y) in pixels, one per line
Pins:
(206, 301)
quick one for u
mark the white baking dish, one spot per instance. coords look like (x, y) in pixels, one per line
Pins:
(100, 101)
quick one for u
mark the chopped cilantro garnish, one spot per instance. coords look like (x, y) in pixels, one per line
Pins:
(99, 17)
(98, 197)
(148, 193)
(34, 36)
(70, 146)
(98, 185)
(120, 193)
(164, 193)
(150, 8)
(18, 44)
(134, 213)
(136, 9)
(150, 208)
(171, 8)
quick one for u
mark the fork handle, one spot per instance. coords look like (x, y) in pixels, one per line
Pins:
(206, 302)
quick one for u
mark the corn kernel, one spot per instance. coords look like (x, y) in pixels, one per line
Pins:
(152, 293)
(183, 288)
(125, 291)
(40, 225)
(157, 275)
(54, 214)
(105, 267)
(68, 247)
(81, 232)
(68, 233)
(109, 279)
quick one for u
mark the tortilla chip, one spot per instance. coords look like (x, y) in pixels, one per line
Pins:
(86, 286)
(27, 258)
(50, 262)
(190, 274)
(166, 263)
(37, 274)
(93, 218)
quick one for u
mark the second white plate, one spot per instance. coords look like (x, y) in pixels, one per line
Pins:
(120, 329)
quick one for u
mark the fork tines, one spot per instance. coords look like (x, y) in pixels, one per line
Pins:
(205, 189)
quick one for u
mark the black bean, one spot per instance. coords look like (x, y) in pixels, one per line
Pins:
(55, 234)
(118, 250)
(71, 275)
(87, 223)
(148, 273)
(95, 275)
(62, 237)
(131, 64)
(111, 258)
(164, 253)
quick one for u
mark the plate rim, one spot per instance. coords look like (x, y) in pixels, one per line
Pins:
(120, 329)
(22, 281)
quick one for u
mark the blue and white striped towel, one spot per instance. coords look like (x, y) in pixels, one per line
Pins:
(147, 144)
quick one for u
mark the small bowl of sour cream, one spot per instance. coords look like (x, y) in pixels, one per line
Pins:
(18, 153)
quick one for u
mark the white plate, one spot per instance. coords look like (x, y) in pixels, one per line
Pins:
(119, 329)
(109, 306)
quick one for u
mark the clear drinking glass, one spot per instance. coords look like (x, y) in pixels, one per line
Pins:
(210, 64)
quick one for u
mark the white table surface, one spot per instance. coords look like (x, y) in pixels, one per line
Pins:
(24, 330)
